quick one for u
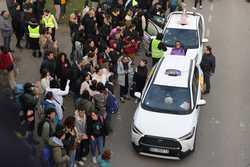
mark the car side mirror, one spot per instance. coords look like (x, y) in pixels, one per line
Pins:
(138, 95)
(204, 40)
(201, 102)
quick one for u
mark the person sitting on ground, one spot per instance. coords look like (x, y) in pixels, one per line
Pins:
(178, 49)
(104, 159)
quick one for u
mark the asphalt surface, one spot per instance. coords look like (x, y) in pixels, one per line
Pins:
(224, 126)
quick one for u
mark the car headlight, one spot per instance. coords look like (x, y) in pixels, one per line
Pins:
(136, 130)
(188, 135)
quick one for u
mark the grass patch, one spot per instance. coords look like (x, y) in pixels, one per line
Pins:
(72, 5)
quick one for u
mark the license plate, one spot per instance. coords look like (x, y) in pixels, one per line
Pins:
(158, 150)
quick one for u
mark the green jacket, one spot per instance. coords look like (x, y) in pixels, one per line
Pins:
(58, 152)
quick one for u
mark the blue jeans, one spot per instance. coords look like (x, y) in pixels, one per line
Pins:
(6, 42)
(96, 144)
(72, 157)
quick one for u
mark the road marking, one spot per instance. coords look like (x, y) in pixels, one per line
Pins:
(212, 7)
(210, 17)
(208, 33)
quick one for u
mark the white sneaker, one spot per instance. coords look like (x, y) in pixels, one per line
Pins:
(194, 8)
(75, 165)
(94, 160)
(84, 158)
(80, 163)
(200, 6)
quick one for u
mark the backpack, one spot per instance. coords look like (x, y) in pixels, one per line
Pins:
(40, 127)
(46, 105)
(112, 104)
(19, 91)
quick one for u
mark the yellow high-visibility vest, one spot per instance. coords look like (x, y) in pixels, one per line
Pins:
(134, 3)
(49, 22)
(34, 32)
(156, 53)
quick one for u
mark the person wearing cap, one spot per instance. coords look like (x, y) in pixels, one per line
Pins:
(104, 159)
(34, 35)
(49, 22)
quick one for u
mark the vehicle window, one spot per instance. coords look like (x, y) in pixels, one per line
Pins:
(159, 21)
(166, 99)
(151, 29)
(188, 38)
(200, 31)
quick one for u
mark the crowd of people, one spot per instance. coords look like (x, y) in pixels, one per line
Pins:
(105, 42)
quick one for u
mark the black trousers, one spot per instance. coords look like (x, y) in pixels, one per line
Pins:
(82, 149)
(155, 60)
(207, 82)
(196, 2)
(123, 91)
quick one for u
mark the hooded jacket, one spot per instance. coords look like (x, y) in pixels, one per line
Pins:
(58, 153)
(5, 27)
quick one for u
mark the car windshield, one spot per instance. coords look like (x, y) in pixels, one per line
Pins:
(188, 38)
(166, 99)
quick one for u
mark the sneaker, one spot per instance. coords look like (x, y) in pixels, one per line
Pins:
(200, 6)
(194, 8)
(127, 97)
(84, 158)
(122, 99)
(80, 163)
(94, 160)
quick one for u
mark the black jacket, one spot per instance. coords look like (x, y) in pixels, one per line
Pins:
(208, 63)
(95, 128)
(50, 65)
(140, 78)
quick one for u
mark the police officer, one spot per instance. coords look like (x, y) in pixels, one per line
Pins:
(208, 66)
(49, 22)
(157, 48)
(34, 36)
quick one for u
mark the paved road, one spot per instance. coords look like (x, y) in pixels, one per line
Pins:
(223, 134)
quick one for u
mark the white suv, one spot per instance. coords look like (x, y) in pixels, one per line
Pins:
(165, 122)
(191, 32)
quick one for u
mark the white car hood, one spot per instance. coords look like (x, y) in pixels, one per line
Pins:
(192, 53)
(164, 125)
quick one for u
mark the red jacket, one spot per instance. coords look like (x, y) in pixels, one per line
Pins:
(6, 61)
(130, 46)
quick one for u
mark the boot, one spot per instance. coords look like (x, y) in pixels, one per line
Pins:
(39, 54)
(34, 53)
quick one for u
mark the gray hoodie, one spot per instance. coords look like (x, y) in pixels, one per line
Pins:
(80, 125)
(5, 27)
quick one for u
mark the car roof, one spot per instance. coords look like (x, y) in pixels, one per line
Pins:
(181, 64)
(175, 18)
